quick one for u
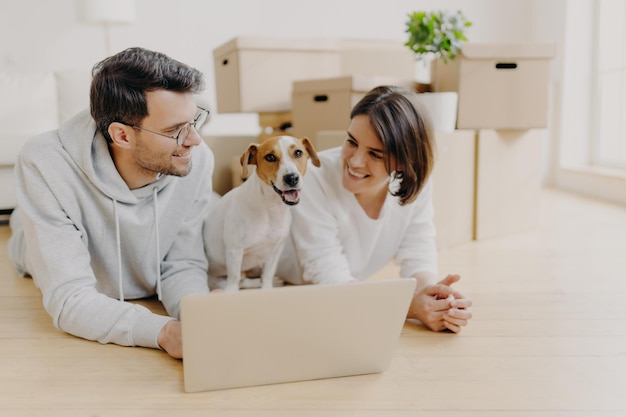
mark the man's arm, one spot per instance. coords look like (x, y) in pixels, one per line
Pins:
(185, 266)
(60, 263)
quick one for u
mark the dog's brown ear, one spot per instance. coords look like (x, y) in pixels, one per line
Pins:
(311, 150)
(248, 158)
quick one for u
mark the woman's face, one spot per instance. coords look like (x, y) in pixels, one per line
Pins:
(364, 171)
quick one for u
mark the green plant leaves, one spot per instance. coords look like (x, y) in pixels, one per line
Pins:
(440, 33)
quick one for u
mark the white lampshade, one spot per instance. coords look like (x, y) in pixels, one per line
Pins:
(108, 11)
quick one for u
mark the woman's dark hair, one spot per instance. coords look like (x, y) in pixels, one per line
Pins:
(403, 126)
(120, 82)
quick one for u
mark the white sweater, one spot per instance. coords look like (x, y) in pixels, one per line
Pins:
(332, 240)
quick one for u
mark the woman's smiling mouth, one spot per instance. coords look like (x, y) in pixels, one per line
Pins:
(355, 174)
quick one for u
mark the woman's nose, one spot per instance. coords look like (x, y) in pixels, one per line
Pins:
(357, 158)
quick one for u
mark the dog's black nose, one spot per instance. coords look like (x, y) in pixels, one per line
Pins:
(291, 179)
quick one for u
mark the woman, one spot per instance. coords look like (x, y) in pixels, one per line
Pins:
(370, 202)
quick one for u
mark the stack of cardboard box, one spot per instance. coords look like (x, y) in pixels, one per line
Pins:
(488, 174)
(503, 95)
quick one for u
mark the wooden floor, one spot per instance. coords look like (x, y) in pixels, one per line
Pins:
(548, 339)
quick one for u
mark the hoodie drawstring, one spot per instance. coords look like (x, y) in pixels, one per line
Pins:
(119, 248)
(158, 246)
(119, 251)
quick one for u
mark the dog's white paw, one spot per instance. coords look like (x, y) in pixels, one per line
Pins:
(249, 283)
(231, 288)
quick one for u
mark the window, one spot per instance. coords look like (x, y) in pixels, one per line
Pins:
(608, 146)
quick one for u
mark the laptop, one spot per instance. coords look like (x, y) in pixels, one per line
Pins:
(292, 333)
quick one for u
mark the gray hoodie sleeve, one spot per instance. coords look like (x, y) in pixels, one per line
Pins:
(65, 248)
(58, 259)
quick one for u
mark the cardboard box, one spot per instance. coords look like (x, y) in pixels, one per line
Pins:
(326, 139)
(227, 151)
(508, 181)
(255, 74)
(325, 104)
(500, 86)
(274, 124)
(453, 187)
(376, 58)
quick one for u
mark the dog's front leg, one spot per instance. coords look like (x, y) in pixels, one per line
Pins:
(234, 258)
(269, 269)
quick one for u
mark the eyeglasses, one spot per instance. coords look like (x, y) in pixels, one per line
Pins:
(182, 134)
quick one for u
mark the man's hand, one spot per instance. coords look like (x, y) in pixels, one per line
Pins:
(171, 339)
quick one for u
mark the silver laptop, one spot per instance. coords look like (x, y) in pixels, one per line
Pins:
(293, 333)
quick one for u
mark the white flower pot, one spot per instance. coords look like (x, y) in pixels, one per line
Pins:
(442, 107)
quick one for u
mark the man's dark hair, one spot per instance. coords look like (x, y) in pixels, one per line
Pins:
(120, 82)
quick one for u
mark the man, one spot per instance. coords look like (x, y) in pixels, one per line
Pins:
(110, 209)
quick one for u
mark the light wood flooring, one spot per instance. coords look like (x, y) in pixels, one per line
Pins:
(548, 338)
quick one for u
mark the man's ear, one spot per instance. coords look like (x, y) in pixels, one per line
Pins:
(120, 134)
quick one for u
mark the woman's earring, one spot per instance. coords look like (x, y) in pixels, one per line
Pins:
(394, 181)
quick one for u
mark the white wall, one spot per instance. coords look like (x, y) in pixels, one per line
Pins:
(47, 34)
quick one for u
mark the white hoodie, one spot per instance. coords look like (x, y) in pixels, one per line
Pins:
(89, 242)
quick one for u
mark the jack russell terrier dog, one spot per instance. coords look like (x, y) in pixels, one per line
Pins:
(245, 230)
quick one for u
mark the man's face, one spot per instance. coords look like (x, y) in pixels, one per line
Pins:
(168, 113)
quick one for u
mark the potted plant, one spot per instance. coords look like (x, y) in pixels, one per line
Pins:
(436, 35)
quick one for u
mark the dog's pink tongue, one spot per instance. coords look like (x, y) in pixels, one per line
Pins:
(291, 196)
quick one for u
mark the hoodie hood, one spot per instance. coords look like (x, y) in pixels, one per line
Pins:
(94, 159)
